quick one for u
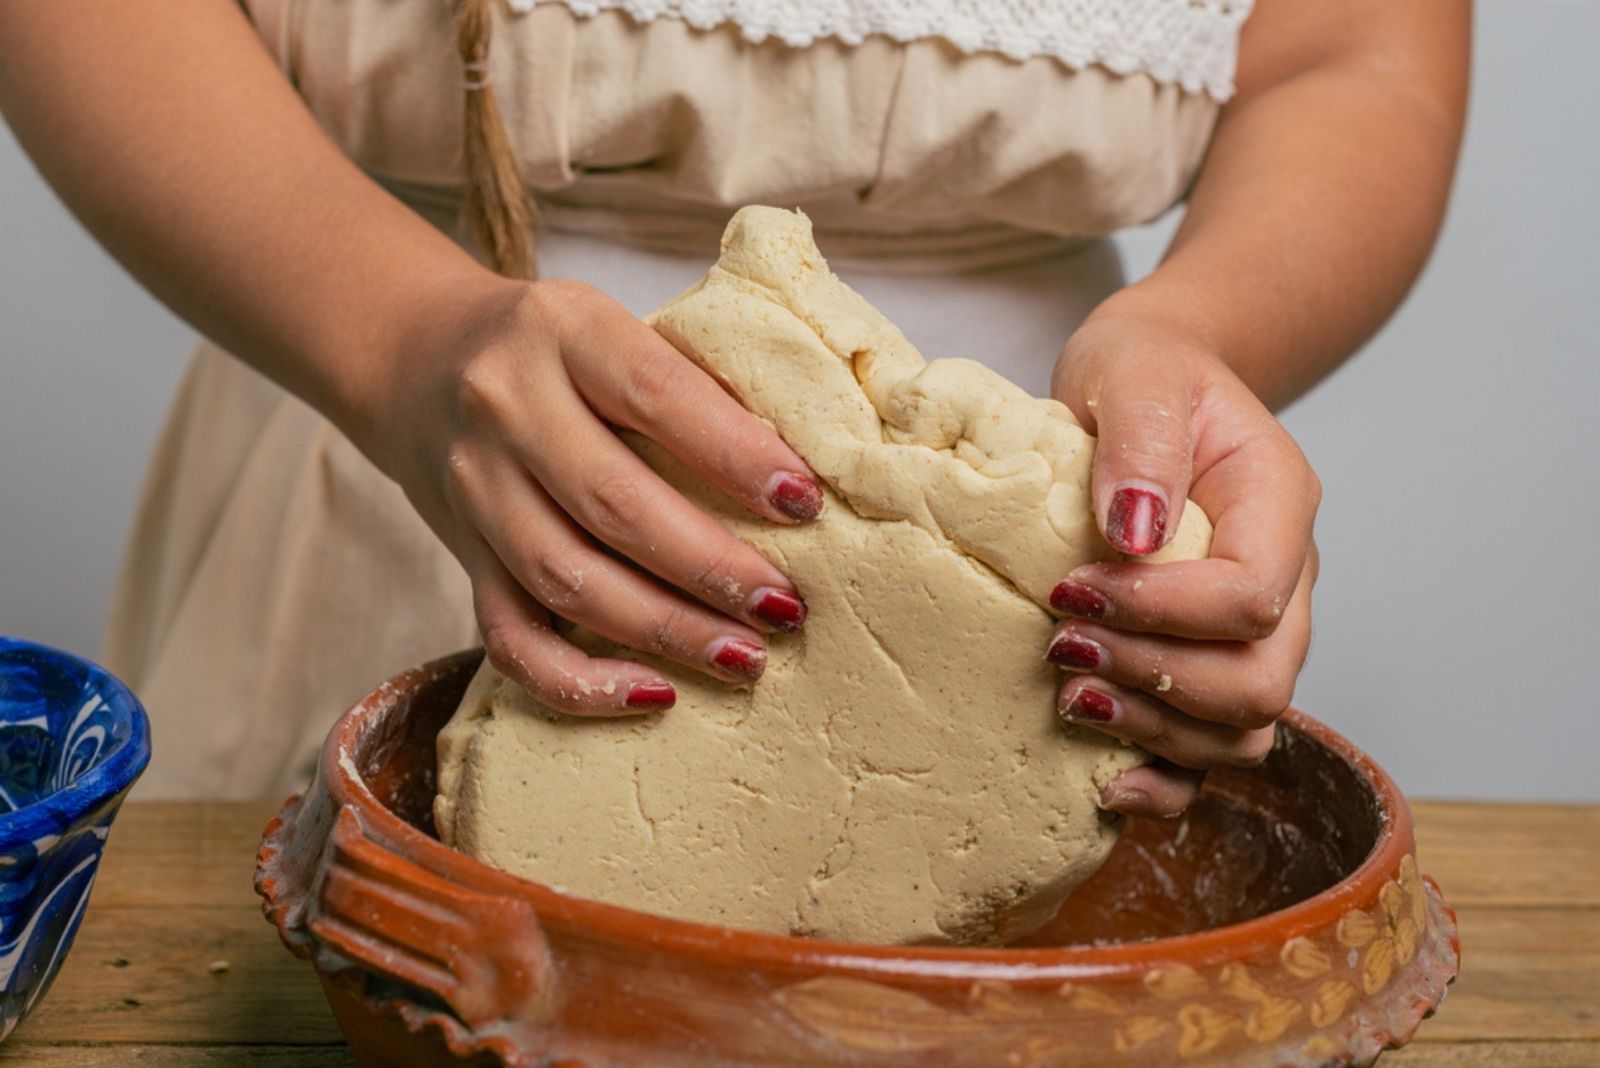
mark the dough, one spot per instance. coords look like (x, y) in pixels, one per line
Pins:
(899, 774)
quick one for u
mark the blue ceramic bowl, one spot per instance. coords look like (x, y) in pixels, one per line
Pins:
(72, 741)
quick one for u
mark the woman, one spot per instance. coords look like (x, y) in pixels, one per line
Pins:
(287, 177)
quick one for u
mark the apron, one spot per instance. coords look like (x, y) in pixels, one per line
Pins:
(273, 575)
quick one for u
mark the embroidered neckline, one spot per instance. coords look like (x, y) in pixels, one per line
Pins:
(1188, 43)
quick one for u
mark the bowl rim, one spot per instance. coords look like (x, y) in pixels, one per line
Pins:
(933, 965)
(54, 813)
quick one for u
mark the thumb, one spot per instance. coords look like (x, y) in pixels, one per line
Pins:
(1145, 458)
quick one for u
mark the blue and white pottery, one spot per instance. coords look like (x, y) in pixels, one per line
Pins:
(72, 741)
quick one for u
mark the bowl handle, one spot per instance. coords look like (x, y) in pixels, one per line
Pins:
(482, 954)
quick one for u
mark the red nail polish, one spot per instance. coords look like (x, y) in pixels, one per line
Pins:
(1137, 520)
(779, 608)
(1091, 706)
(1074, 651)
(739, 657)
(796, 496)
(1079, 600)
(651, 696)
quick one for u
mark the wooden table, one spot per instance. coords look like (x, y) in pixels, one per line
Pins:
(175, 966)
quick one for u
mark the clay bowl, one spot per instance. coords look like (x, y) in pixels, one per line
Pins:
(1281, 922)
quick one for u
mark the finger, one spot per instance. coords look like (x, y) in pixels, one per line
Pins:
(1143, 461)
(1242, 684)
(1263, 500)
(1162, 790)
(565, 572)
(520, 643)
(1158, 727)
(635, 378)
(617, 498)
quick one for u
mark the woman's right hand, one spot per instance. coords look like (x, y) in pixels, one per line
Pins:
(505, 443)
(190, 156)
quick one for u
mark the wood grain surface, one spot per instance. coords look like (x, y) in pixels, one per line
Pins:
(175, 965)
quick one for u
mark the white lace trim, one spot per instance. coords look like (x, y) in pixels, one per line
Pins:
(1190, 43)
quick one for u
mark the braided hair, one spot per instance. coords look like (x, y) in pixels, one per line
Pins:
(498, 209)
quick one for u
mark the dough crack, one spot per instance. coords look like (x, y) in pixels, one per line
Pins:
(638, 801)
(888, 657)
(825, 869)
(864, 769)
(744, 786)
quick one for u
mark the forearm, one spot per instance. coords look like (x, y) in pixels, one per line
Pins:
(1324, 188)
(170, 133)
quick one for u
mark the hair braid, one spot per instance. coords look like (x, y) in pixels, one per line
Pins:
(498, 208)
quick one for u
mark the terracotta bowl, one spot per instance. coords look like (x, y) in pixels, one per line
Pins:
(1281, 922)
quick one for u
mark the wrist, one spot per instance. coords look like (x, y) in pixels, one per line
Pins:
(433, 325)
(1134, 325)
(1156, 303)
(1198, 326)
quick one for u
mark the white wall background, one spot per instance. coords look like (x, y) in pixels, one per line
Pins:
(1457, 612)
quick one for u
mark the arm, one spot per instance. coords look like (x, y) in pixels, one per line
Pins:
(171, 134)
(177, 142)
(1312, 215)
(1324, 188)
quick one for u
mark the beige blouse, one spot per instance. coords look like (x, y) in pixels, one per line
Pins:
(273, 575)
(653, 132)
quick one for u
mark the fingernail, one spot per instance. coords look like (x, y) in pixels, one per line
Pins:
(1075, 651)
(1124, 797)
(651, 695)
(1089, 706)
(1137, 520)
(778, 608)
(739, 657)
(795, 496)
(1079, 600)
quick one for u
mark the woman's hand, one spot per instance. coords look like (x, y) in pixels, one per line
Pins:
(1193, 661)
(506, 444)
(1271, 280)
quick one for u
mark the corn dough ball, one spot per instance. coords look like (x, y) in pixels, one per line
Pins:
(899, 774)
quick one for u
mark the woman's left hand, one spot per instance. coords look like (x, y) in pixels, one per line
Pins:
(1193, 661)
